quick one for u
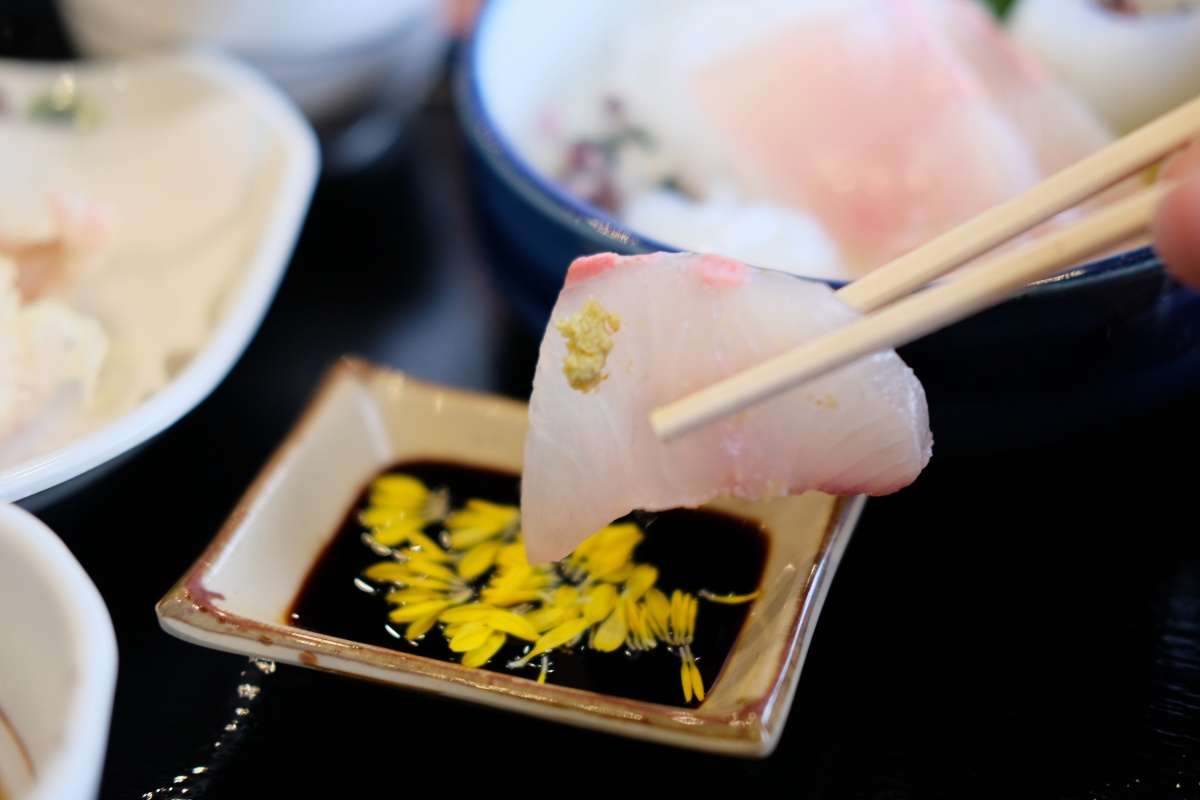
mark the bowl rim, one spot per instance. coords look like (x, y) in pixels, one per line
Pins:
(74, 769)
(254, 285)
(604, 228)
(542, 192)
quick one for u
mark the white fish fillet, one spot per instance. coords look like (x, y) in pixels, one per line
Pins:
(685, 322)
(1130, 65)
(892, 120)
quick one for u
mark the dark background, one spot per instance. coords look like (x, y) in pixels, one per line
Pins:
(1020, 624)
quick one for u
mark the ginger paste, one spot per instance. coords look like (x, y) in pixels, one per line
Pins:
(589, 339)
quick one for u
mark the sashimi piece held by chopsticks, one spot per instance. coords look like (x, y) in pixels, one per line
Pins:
(629, 333)
(985, 285)
(715, 343)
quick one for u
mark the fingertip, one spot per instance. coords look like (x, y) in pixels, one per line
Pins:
(1175, 230)
(1182, 163)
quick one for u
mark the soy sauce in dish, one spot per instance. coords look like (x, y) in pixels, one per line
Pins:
(703, 562)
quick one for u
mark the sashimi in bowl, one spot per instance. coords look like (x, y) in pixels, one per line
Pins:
(602, 128)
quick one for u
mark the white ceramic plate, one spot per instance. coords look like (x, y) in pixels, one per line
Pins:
(239, 594)
(58, 666)
(202, 171)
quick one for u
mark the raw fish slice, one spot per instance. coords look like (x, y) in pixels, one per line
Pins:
(685, 321)
(1059, 126)
(869, 116)
(1130, 64)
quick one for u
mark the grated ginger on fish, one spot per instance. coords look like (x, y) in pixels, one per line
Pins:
(589, 339)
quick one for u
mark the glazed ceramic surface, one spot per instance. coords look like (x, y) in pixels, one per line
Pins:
(58, 666)
(357, 68)
(203, 171)
(238, 595)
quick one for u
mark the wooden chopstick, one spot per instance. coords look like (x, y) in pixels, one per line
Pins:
(902, 320)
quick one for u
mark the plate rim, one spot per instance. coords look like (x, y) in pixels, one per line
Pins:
(191, 611)
(267, 262)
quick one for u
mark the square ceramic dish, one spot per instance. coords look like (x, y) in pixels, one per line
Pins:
(363, 419)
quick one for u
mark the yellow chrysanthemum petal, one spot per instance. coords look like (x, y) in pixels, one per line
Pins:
(420, 564)
(401, 596)
(601, 600)
(689, 629)
(395, 487)
(479, 559)
(512, 623)
(509, 599)
(404, 497)
(478, 521)
(623, 536)
(607, 550)
(566, 596)
(427, 546)
(512, 555)
(641, 632)
(414, 611)
(397, 533)
(617, 574)
(545, 618)
(468, 612)
(729, 599)
(382, 517)
(478, 512)
(510, 578)
(426, 582)
(470, 635)
(557, 637)
(612, 632)
(483, 654)
(388, 572)
(677, 601)
(658, 610)
(697, 681)
(682, 617)
(419, 627)
(643, 577)
(513, 585)
(466, 538)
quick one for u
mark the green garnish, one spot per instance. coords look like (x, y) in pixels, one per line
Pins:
(63, 104)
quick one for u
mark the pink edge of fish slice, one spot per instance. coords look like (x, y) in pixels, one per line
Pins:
(686, 321)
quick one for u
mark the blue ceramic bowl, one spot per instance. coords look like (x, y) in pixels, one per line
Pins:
(1064, 358)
